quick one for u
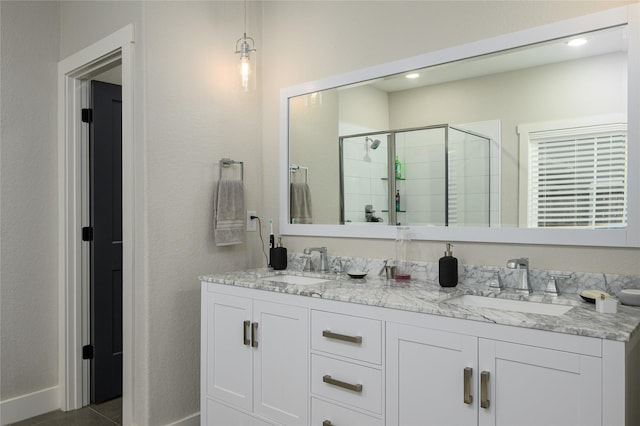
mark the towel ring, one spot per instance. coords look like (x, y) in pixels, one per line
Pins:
(228, 162)
(294, 168)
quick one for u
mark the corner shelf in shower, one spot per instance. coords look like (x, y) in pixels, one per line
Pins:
(384, 178)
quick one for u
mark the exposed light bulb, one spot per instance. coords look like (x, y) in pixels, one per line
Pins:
(245, 72)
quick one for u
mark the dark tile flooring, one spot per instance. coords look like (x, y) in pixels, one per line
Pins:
(105, 414)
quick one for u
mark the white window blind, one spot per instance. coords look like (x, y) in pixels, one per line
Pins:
(577, 177)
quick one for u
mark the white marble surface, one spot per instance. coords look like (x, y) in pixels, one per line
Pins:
(423, 294)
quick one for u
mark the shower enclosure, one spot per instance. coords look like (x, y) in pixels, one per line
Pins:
(437, 175)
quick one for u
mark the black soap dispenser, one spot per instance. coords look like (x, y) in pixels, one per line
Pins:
(278, 256)
(448, 269)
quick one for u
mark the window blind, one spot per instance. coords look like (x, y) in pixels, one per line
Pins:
(577, 177)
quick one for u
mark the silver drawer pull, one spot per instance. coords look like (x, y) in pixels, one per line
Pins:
(356, 388)
(353, 339)
(327, 423)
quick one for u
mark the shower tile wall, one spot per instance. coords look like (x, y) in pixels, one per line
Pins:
(422, 155)
(363, 180)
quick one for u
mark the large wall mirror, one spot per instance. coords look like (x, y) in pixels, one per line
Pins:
(530, 137)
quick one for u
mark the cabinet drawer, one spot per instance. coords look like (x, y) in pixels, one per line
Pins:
(351, 337)
(218, 414)
(348, 383)
(322, 412)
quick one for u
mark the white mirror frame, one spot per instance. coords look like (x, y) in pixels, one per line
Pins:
(627, 237)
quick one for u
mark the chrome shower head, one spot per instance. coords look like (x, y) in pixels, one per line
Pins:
(375, 143)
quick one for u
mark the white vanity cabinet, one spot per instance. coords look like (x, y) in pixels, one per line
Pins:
(279, 359)
(254, 361)
(443, 378)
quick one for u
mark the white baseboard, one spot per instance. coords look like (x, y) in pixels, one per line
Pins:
(30, 405)
(192, 420)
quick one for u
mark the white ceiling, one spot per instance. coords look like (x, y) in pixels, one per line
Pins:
(599, 42)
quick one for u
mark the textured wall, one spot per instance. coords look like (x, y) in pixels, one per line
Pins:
(196, 115)
(29, 200)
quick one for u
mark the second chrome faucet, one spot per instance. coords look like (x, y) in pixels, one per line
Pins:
(522, 266)
(324, 260)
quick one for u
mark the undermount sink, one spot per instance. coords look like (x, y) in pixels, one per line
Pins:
(297, 279)
(509, 305)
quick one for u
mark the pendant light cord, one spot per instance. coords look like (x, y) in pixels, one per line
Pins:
(245, 18)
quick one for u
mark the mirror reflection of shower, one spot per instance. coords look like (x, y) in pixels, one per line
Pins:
(375, 143)
(438, 175)
(361, 182)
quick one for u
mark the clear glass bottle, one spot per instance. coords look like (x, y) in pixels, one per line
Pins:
(403, 249)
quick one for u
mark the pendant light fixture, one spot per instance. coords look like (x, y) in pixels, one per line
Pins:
(244, 46)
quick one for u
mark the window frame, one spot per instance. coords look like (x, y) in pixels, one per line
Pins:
(578, 127)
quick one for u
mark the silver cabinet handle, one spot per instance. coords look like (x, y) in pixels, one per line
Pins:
(245, 329)
(254, 337)
(327, 423)
(353, 339)
(484, 389)
(468, 398)
(328, 379)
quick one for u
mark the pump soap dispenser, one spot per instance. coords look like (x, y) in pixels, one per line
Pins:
(448, 269)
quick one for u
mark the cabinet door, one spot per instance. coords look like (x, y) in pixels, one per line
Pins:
(535, 386)
(229, 359)
(281, 362)
(426, 377)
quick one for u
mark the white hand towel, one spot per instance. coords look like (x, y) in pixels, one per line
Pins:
(228, 212)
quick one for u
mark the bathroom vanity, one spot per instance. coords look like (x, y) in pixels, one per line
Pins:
(341, 351)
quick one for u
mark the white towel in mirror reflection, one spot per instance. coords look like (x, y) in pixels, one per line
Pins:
(300, 203)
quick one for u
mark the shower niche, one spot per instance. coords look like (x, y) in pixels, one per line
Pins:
(440, 175)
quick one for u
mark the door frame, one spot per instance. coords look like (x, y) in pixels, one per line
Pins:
(73, 71)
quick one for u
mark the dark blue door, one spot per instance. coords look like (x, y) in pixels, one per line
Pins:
(105, 147)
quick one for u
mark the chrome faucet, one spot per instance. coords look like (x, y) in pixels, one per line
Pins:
(522, 266)
(324, 261)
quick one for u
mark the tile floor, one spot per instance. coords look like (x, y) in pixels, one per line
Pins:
(105, 414)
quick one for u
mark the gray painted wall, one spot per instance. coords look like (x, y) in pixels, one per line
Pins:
(29, 197)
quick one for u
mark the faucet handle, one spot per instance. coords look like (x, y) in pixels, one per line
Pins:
(552, 284)
(518, 263)
(495, 281)
(339, 266)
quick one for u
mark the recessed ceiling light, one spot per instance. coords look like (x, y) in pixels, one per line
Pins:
(413, 75)
(577, 42)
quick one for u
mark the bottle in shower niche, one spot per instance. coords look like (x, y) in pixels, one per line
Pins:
(397, 200)
(403, 249)
(398, 168)
(448, 268)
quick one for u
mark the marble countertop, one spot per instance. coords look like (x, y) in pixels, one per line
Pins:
(429, 298)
